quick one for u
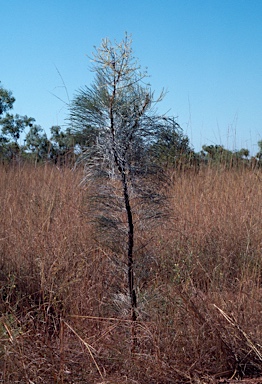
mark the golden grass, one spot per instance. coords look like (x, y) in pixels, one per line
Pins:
(63, 294)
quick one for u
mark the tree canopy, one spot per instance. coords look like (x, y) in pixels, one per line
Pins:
(6, 100)
(118, 114)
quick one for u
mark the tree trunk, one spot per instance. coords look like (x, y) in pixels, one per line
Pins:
(130, 264)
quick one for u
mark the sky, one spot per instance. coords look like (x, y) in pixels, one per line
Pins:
(207, 55)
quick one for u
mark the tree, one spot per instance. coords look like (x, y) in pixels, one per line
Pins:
(171, 145)
(243, 152)
(6, 100)
(59, 138)
(118, 109)
(218, 155)
(259, 154)
(12, 125)
(37, 142)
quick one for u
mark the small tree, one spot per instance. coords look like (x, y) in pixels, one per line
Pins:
(259, 154)
(171, 146)
(6, 100)
(118, 110)
(37, 142)
(12, 126)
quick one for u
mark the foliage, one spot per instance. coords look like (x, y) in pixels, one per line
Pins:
(37, 142)
(171, 145)
(259, 154)
(6, 100)
(14, 125)
(217, 154)
(60, 139)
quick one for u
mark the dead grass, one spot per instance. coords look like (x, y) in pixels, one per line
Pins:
(63, 295)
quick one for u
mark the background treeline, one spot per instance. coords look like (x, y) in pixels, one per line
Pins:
(64, 146)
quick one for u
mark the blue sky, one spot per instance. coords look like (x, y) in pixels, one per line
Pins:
(206, 53)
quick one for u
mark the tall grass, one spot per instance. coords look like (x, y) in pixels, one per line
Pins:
(63, 295)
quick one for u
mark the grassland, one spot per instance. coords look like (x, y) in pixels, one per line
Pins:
(63, 292)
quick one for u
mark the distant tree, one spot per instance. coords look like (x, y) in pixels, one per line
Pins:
(6, 100)
(243, 152)
(213, 152)
(171, 145)
(217, 154)
(8, 150)
(63, 145)
(14, 125)
(259, 154)
(11, 126)
(59, 138)
(37, 143)
(117, 111)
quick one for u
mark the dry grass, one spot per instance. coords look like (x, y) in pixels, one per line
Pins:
(63, 295)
